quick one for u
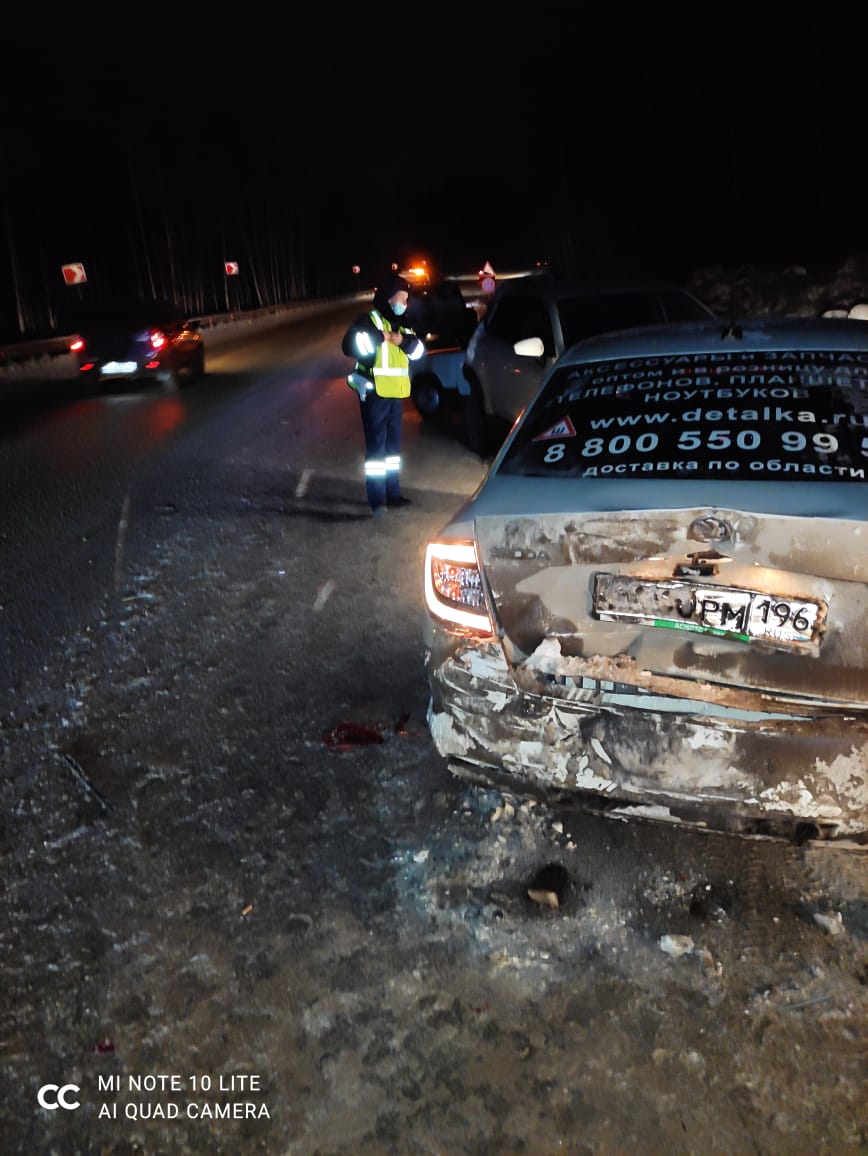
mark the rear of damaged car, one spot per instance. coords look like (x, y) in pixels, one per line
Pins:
(655, 604)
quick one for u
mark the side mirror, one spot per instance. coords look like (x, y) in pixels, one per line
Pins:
(530, 347)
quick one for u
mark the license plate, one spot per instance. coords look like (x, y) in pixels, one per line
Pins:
(115, 368)
(725, 611)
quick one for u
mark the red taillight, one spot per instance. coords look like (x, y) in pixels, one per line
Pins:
(158, 339)
(76, 345)
(453, 585)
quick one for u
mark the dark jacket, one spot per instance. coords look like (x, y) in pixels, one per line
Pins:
(412, 346)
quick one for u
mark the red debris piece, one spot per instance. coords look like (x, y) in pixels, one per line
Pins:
(101, 1047)
(347, 734)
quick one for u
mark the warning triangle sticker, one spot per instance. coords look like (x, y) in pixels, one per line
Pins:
(561, 429)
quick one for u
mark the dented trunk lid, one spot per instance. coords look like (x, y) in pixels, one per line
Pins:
(705, 602)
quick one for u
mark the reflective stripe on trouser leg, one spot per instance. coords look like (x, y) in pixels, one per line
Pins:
(375, 482)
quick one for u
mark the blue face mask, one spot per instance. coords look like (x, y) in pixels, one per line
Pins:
(399, 308)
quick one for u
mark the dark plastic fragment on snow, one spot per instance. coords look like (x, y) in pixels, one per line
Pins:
(351, 734)
(551, 881)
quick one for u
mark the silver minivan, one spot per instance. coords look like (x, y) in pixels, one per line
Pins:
(532, 321)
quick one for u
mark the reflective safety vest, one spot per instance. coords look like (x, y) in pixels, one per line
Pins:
(391, 369)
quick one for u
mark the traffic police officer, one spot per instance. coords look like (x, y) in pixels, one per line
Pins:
(383, 349)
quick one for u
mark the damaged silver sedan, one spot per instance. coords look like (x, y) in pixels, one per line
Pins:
(656, 603)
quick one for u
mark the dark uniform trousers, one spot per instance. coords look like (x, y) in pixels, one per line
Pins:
(381, 422)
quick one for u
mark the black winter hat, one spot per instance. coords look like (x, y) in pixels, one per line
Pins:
(388, 287)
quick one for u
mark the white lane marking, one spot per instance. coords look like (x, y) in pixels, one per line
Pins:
(119, 544)
(303, 481)
(323, 595)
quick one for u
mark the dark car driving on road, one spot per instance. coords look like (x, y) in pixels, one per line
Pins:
(138, 341)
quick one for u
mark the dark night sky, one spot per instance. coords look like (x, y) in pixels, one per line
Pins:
(472, 136)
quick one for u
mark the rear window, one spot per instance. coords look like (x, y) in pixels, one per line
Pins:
(441, 308)
(682, 307)
(800, 415)
(588, 316)
(132, 314)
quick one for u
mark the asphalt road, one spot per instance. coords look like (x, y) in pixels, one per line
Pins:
(246, 908)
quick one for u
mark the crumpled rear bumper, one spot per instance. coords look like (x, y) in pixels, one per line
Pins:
(761, 769)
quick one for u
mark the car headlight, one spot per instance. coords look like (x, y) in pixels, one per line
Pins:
(453, 585)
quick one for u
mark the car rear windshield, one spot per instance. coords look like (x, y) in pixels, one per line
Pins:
(589, 315)
(126, 315)
(801, 415)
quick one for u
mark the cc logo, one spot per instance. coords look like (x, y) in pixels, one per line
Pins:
(54, 1096)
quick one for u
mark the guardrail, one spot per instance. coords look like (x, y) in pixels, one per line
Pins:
(15, 353)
